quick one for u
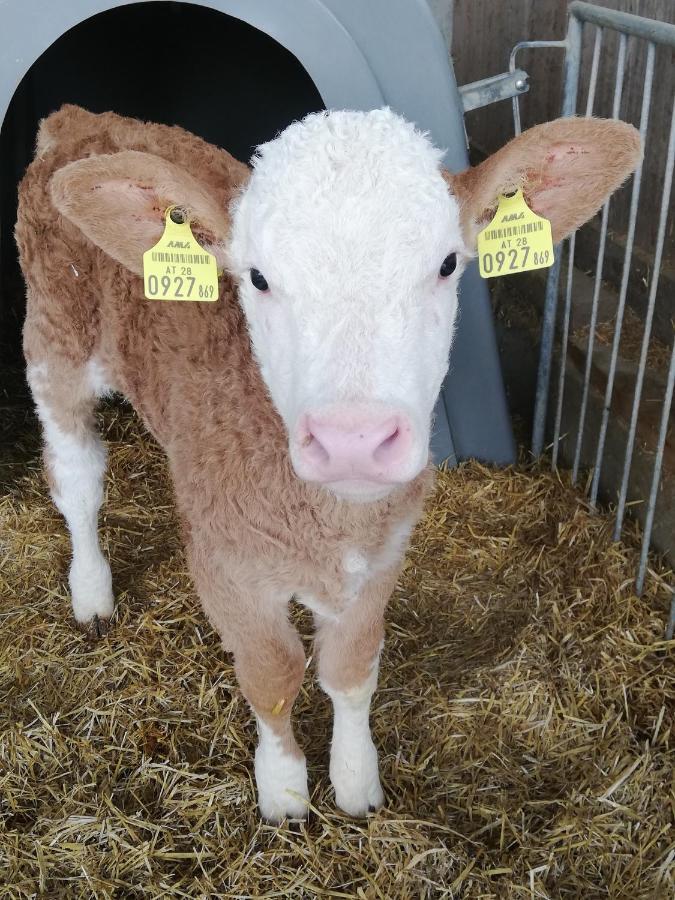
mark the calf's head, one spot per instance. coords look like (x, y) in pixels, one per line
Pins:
(348, 242)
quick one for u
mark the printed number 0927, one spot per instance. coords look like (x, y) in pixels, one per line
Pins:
(160, 287)
(501, 259)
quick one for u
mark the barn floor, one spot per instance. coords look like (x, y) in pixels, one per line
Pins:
(525, 714)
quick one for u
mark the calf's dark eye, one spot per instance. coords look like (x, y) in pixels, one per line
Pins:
(449, 265)
(258, 280)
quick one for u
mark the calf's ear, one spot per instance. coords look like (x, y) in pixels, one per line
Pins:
(566, 168)
(119, 200)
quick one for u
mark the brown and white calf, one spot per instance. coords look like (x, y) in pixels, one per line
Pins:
(295, 412)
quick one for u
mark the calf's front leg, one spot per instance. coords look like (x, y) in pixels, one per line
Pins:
(270, 665)
(269, 662)
(349, 651)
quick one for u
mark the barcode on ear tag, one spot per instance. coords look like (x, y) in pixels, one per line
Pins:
(516, 240)
(177, 267)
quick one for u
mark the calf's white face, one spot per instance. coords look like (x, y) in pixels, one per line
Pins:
(348, 250)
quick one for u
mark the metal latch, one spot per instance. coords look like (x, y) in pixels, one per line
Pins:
(491, 90)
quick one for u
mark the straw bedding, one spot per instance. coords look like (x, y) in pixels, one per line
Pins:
(524, 717)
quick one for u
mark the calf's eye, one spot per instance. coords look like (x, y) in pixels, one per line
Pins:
(449, 265)
(259, 281)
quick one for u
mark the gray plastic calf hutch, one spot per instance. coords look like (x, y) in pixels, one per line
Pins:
(236, 71)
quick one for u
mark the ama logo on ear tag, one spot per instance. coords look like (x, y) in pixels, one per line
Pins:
(177, 268)
(516, 240)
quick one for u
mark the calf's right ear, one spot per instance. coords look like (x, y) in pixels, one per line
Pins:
(566, 169)
(118, 201)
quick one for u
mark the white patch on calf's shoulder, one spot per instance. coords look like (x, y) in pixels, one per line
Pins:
(358, 570)
(354, 562)
(281, 778)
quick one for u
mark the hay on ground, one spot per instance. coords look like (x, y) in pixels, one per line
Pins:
(524, 717)
(630, 346)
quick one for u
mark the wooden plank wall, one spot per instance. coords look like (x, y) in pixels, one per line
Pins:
(484, 32)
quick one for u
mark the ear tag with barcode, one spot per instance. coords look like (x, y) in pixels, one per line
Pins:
(177, 267)
(516, 240)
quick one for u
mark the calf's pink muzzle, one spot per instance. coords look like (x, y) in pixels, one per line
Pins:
(354, 445)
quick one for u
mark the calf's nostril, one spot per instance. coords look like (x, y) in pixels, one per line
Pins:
(314, 450)
(388, 447)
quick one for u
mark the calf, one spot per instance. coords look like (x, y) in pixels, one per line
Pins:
(295, 412)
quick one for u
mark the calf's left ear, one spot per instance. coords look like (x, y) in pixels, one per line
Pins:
(566, 168)
(118, 201)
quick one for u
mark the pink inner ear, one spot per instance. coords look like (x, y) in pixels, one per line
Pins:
(554, 182)
(137, 200)
(565, 153)
(546, 202)
(136, 205)
(141, 213)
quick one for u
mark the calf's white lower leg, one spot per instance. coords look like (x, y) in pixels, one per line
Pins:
(281, 777)
(354, 770)
(77, 469)
(76, 461)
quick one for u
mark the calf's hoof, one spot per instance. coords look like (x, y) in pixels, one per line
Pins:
(96, 628)
(281, 779)
(355, 777)
(275, 809)
(92, 595)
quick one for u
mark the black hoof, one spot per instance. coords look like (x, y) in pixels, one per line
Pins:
(95, 628)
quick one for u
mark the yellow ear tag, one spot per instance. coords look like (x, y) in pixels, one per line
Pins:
(177, 268)
(516, 240)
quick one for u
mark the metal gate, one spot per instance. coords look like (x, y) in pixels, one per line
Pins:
(586, 17)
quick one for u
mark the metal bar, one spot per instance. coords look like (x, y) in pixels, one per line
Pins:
(545, 355)
(634, 200)
(572, 67)
(648, 29)
(527, 45)
(569, 105)
(571, 247)
(478, 94)
(670, 627)
(616, 107)
(564, 340)
(590, 100)
(656, 475)
(593, 81)
(658, 256)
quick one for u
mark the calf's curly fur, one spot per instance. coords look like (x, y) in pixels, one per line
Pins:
(90, 203)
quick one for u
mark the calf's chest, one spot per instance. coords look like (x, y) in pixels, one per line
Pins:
(350, 568)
